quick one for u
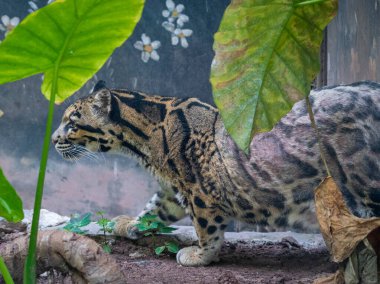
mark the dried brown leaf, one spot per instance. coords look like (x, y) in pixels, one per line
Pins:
(341, 230)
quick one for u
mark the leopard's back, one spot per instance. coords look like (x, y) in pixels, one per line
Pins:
(285, 165)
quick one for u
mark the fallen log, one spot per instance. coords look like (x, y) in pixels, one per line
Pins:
(75, 255)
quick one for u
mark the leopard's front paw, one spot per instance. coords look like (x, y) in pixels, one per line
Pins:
(195, 256)
(125, 227)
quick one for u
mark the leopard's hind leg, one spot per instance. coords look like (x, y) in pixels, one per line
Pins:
(210, 223)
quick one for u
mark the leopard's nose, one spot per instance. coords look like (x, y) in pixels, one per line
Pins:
(55, 138)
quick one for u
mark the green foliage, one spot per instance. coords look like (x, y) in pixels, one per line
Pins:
(10, 202)
(150, 226)
(68, 41)
(106, 248)
(267, 54)
(77, 222)
(169, 246)
(5, 273)
(159, 250)
(106, 226)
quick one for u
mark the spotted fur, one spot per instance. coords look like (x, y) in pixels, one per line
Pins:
(203, 174)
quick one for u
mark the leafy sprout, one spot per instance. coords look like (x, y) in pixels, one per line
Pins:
(77, 222)
(169, 246)
(150, 226)
(106, 226)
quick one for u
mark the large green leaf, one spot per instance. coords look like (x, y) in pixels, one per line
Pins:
(68, 40)
(10, 202)
(267, 53)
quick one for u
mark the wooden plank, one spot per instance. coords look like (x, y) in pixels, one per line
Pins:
(354, 42)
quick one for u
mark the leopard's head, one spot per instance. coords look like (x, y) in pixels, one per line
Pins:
(85, 126)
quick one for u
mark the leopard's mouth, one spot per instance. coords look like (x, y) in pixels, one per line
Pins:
(73, 152)
(69, 151)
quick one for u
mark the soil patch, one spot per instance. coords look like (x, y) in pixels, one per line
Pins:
(239, 263)
(246, 257)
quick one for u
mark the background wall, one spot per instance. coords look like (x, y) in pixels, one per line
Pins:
(118, 185)
(353, 43)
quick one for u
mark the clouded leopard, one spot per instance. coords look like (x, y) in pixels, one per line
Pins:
(202, 173)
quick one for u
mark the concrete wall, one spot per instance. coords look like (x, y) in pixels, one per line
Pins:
(353, 42)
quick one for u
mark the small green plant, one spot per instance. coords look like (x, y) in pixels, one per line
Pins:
(106, 226)
(150, 226)
(169, 246)
(4, 272)
(77, 222)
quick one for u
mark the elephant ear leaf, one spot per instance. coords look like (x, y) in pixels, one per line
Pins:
(267, 54)
(68, 41)
(10, 202)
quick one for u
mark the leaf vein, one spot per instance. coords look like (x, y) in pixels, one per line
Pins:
(304, 49)
(54, 21)
(307, 21)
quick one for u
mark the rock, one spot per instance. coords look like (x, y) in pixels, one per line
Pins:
(186, 235)
(137, 254)
(47, 219)
(290, 242)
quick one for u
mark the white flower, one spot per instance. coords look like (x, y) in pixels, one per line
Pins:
(174, 13)
(33, 7)
(8, 24)
(170, 27)
(148, 48)
(181, 35)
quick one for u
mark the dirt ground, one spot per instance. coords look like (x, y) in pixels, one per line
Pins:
(241, 261)
(282, 262)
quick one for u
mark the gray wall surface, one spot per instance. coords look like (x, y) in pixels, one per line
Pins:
(116, 185)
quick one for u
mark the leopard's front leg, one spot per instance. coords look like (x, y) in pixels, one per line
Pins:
(163, 204)
(209, 224)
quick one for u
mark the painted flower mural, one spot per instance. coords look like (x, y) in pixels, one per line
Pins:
(148, 48)
(180, 35)
(7, 24)
(174, 13)
(34, 7)
(175, 24)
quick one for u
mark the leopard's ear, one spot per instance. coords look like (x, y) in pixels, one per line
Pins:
(99, 85)
(102, 101)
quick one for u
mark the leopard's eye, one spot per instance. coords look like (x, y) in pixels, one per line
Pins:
(71, 126)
